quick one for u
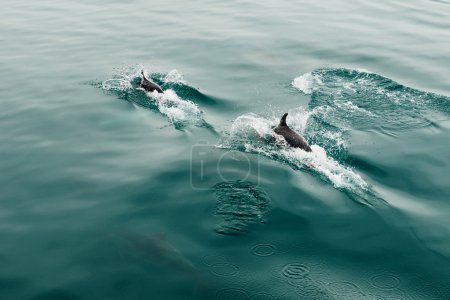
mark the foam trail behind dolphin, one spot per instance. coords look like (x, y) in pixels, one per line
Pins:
(180, 112)
(253, 133)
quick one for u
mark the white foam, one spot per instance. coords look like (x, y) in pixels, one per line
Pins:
(174, 77)
(305, 83)
(119, 84)
(176, 109)
(340, 176)
(252, 124)
(248, 130)
(362, 70)
(349, 106)
(298, 118)
(179, 111)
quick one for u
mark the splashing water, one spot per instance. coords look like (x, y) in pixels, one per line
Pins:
(116, 84)
(252, 133)
(358, 99)
(180, 112)
(174, 77)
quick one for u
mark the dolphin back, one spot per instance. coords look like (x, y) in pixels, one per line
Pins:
(292, 138)
(148, 85)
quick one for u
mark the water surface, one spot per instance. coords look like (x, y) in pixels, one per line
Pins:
(111, 193)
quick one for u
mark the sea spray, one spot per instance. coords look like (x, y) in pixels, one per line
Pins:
(180, 112)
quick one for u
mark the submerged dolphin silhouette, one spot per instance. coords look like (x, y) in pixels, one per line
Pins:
(148, 85)
(158, 251)
(292, 138)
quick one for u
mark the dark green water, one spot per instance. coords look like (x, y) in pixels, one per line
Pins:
(111, 193)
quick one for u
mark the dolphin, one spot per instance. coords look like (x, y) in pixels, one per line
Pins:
(157, 248)
(148, 85)
(292, 138)
(158, 251)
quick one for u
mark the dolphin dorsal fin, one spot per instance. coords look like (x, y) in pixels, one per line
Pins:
(143, 75)
(283, 120)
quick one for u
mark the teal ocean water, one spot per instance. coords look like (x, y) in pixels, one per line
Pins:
(108, 192)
